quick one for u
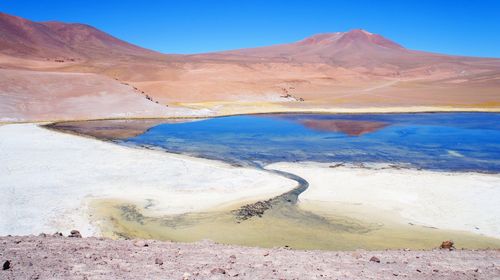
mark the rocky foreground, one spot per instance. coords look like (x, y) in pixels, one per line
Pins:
(58, 257)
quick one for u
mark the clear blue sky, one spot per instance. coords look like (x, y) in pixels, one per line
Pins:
(186, 26)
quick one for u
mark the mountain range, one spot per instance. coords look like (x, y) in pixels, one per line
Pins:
(54, 70)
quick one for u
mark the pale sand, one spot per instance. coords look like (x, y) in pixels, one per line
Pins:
(48, 179)
(455, 201)
(240, 108)
(30, 96)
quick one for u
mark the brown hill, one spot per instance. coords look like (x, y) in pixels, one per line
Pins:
(57, 40)
(333, 48)
(356, 48)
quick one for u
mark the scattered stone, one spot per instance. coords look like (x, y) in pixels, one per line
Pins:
(375, 259)
(218, 270)
(140, 243)
(43, 234)
(289, 96)
(251, 210)
(448, 244)
(56, 257)
(356, 255)
(57, 234)
(6, 265)
(75, 233)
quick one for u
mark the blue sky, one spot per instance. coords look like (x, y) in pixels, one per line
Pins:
(453, 27)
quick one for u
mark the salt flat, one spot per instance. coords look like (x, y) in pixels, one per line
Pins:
(47, 180)
(444, 200)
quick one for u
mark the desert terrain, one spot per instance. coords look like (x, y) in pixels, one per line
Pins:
(85, 70)
(53, 181)
(48, 257)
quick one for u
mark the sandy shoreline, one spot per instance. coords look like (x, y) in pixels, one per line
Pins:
(246, 108)
(215, 110)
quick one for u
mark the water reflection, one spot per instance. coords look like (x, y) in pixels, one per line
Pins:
(452, 142)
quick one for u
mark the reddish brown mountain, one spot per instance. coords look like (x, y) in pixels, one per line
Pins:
(23, 38)
(347, 49)
(349, 127)
(326, 48)
(355, 71)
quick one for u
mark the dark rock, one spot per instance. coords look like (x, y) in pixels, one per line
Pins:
(232, 259)
(158, 261)
(375, 259)
(75, 233)
(251, 210)
(218, 270)
(140, 243)
(6, 265)
(57, 234)
(448, 244)
(336, 165)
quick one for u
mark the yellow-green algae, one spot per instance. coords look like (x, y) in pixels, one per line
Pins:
(283, 225)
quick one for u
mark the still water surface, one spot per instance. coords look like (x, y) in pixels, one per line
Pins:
(451, 142)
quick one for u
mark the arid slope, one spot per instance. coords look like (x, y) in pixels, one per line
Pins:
(343, 71)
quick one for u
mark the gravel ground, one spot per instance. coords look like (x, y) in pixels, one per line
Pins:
(49, 257)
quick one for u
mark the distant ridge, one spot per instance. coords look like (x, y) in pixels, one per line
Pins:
(52, 40)
(354, 48)
(353, 71)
